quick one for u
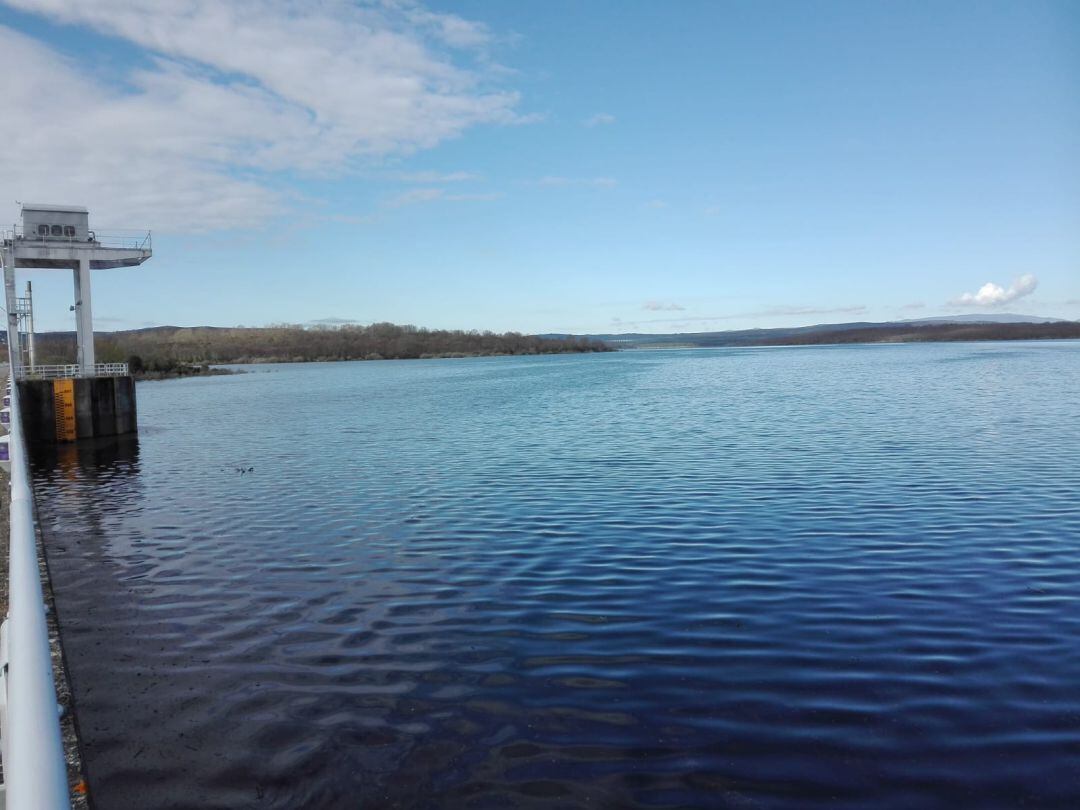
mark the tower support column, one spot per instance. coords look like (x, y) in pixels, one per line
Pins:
(30, 325)
(12, 314)
(84, 320)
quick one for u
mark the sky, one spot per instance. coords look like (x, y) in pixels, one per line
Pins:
(583, 166)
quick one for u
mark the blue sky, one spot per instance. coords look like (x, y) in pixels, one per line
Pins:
(557, 166)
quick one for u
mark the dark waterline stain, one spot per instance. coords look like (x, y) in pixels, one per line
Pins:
(836, 577)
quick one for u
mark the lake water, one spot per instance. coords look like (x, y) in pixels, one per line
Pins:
(753, 578)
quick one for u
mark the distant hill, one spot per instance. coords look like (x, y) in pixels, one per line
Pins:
(164, 345)
(987, 317)
(952, 328)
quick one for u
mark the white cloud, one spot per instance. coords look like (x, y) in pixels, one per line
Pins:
(231, 98)
(424, 195)
(476, 196)
(599, 120)
(436, 177)
(661, 306)
(332, 321)
(451, 29)
(416, 195)
(993, 295)
(771, 312)
(784, 312)
(595, 182)
(344, 219)
(657, 205)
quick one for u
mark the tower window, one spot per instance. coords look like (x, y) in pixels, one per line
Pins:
(43, 230)
(69, 230)
(57, 230)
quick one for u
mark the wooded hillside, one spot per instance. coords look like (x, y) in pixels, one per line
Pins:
(165, 346)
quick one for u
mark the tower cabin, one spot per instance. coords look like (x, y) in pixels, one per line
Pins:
(59, 237)
(56, 223)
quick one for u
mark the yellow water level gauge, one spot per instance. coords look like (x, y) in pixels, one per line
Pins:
(64, 406)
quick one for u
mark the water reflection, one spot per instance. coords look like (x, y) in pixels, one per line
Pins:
(84, 481)
(88, 458)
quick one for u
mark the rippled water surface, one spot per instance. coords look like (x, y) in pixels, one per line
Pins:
(823, 576)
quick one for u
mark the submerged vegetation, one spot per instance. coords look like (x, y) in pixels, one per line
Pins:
(178, 351)
(169, 369)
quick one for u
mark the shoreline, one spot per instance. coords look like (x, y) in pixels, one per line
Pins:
(224, 367)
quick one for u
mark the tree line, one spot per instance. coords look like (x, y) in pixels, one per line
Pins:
(163, 348)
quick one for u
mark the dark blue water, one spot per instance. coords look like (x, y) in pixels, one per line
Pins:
(806, 577)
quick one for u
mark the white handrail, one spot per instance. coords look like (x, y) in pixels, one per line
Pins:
(129, 240)
(35, 773)
(71, 371)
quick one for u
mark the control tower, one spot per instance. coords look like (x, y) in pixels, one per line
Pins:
(58, 237)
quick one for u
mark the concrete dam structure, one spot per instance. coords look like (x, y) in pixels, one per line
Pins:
(80, 408)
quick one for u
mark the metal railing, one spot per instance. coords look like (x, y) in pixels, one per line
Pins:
(130, 240)
(71, 371)
(35, 773)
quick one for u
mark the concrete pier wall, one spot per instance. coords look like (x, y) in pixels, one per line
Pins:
(103, 406)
